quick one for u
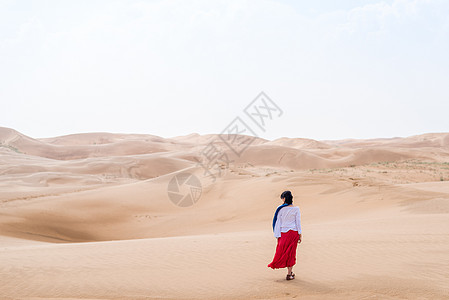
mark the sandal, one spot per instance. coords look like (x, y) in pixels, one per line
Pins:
(290, 277)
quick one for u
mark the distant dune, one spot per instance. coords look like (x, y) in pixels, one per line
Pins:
(88, 216)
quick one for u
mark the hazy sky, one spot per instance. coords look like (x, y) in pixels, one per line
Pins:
(360, 69)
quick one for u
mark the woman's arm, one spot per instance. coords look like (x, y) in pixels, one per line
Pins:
(298, 221)
(298, 225)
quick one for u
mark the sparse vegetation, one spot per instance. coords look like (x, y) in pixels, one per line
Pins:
(405, 171)
(10, 147)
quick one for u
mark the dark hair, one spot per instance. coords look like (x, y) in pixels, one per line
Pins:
(287, 196)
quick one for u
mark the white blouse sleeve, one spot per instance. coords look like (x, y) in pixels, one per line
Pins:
(277, 228)
(298, 221)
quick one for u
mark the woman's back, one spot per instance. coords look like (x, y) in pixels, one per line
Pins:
(288, 213)
(289, 218)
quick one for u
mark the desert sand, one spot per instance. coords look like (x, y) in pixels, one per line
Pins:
(88, 216)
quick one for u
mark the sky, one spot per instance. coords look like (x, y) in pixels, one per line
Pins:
(336, 69)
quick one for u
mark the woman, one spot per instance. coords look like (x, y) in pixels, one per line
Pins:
(287, 230)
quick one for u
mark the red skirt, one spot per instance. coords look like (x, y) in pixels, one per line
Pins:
(285, 250)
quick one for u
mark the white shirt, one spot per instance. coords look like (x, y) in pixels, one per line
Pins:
(289, 218)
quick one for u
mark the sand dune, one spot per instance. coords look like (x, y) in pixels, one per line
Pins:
(436, 140)
(88, 216)
(83, 145)
(299, 143)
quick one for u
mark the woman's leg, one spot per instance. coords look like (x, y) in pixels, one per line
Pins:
(290, 270)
